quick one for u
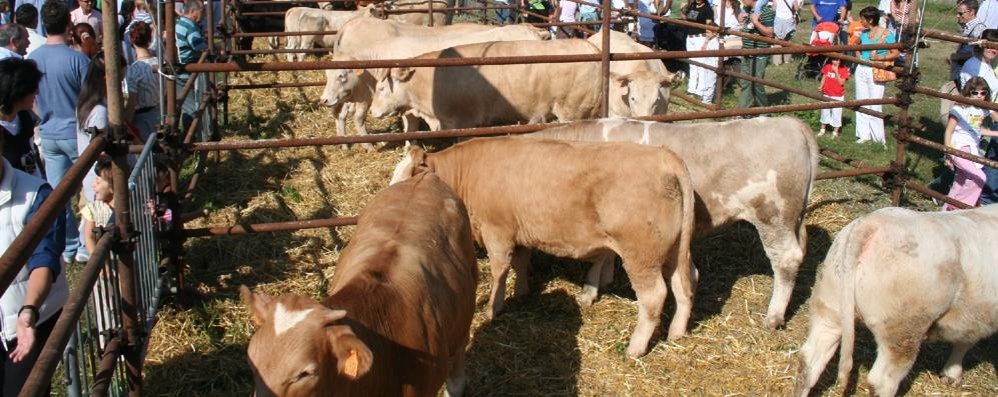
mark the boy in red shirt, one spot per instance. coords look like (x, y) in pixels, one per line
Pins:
(833, 79)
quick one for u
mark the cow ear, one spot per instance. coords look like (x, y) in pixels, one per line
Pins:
(621, 82)
(380, 73)
(403, 73)
(412, 163)
(259, 305)
(353, 358)
(665, 82)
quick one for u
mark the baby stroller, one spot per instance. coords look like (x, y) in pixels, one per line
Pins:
(824, 34)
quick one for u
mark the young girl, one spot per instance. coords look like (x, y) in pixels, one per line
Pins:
(833, 79)
(100, 213)
(963, 132)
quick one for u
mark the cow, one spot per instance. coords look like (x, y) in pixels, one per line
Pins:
(304, 19)
(419, 17)
(485, 95)
(646, 76)
(397, 318)
(578, 200)
(369, 38)
(759, 170)
(908, 276)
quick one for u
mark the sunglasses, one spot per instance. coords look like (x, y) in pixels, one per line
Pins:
(981, 93)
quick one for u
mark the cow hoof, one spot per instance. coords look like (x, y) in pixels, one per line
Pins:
(587, 298)
(951, 381)
(774, 323)
(369, 147)
(344, 147)
(635, 352)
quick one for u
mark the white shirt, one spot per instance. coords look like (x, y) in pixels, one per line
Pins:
(784, 12)
(974, 68)
(35, 40)
(988, 12)
(94, 19)
(968, 128)
(6, 53)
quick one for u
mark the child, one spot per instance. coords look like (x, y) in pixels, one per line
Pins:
(833, 79)
(963, 132)
(100, 213)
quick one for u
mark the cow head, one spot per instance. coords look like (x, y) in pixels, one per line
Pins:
(643, 93)
(390, 94)
(300, 347)
(413, 163)
(340, 84)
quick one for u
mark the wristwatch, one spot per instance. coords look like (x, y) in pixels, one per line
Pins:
(31, 309)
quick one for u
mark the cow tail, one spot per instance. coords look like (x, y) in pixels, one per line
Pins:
(811, 146)
(846, 259)
(684, 258)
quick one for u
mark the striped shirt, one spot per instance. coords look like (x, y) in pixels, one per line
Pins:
(766, 18)
(190, 41)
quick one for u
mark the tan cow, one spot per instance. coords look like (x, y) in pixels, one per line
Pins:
(370, 38)
(475, 96)
(908, 276)
(440, 18)
(759, 170)
(307, 19)
(577, 200)
(397, 318)
(637, 80)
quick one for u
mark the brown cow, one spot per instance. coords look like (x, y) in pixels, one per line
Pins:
(578, 200)
(397, 317)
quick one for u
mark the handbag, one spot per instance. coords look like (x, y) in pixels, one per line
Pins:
(732, 43)
(884, 75)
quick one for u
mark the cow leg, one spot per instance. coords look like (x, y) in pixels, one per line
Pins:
(292, 45)
(521, 265)
(649, 287)
(274, 42)
(457, 378)
(953, 370)
(601, 265)
(341, 119)
(822, 341)
(359, 117)
(410, 123)
(785, 255)
(307, 42)
(684, 302)
(500, 252)
(897, 347)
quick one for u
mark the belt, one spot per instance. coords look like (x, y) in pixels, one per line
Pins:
(145, 109)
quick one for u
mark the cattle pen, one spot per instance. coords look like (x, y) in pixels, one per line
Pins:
(255, 191)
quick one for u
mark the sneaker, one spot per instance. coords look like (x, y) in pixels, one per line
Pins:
(822, 132)
(82, 257)
(67, 258)
(862, 140)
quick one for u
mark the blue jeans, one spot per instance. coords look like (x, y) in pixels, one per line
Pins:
(503, 16)
(59, 155)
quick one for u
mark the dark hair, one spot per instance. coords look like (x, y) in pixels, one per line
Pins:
(26, 15)
(870, 13)
(18, 79)
(976, 83)
(970, 4)
(55, 17)
(102, 166)
(141, 34)
(94, 90)
(126, 11)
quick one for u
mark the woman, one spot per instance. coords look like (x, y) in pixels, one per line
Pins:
(869, 127)
(19, 79)
(701, 81)
(982, 64)
(84, 39)
(141, 83)
(903, 13)
(91, 112)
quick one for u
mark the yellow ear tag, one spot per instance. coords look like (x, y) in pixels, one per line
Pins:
(351, 364)
(358, 71)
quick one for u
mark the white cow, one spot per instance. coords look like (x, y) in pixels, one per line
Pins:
(371, 38)
(908, 276)
(306, 19)
(637, 79)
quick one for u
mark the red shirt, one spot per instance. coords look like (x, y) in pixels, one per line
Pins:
(829, 85)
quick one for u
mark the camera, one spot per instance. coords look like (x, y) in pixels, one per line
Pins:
(28, 163)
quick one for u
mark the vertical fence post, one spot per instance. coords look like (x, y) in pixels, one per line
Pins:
(170, 58)
(719, 82)
(906, 86)
(605, 61)
(120, 170)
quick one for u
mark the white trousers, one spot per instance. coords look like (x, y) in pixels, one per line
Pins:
(869, 127)
(702, 81)
(833, 116)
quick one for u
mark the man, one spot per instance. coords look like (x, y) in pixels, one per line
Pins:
(785, 24)
(988, 12)
(27, 15)
(87, 14)
(64, 70)
(14, 41)
(190, 44)
(31, 305)
(565, 12)
(38, 7)
(762, 24)
(966, 16)
(827, 11)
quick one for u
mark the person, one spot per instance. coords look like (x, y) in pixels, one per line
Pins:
(504, 16)
(190, 44)
(785, 25)
(27, 15)
(87, 14)
(698, 11)
(141, 84)
(963, 132)
(96, 214)
(17, 118)
(542, 8)
(869, 127)
(13, 41)
(833, 79)
(5, 12)
(63, 73)
(588, 13)
(754, 94)
(646, 26)
(83, 40)
(31, 305)
(37, 4)
(706, 80)
(973, 27)
(827, 10)
(903, 13)
(91, 112)
(982, 64)
(565, 12)
(987, 10)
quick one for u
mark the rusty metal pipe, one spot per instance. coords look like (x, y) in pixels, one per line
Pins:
(951, 151)
(274, 85)
(24, 244)
(605, 60)
(65, 325)
(268, 51)
(283, 34)
(693, 101)
(843, 159)
(449, 62)
(196, 121)
(936, 195)
(958, 98)
(105, 369)
(269, 227)
(852, 172)
(770, 109)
